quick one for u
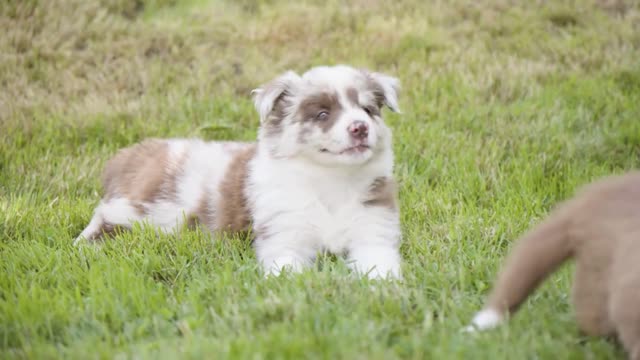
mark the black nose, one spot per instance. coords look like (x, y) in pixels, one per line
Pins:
(359, 129)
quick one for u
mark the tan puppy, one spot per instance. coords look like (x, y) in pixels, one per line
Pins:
(600, 228)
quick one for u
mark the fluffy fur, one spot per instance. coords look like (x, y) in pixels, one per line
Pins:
(600, 228)
(319, 178)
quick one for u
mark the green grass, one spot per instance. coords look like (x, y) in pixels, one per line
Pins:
(508, 107)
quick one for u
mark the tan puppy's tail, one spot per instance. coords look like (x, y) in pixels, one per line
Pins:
(534, 257)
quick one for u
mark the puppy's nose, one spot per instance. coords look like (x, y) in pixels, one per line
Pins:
(359, 129)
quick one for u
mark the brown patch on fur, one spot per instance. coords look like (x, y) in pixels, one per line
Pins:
(314, 104)
(352, 96)
(233, 213)
(202, 214)
(141, 173)
(273, 124)
(383, 192)
(261, 232)
(377, 91)
(108, 230)
(600, 228)
(373, 110)
(304, 132)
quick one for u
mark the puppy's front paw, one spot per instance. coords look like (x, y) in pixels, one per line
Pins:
(483, 320)
(376, 262)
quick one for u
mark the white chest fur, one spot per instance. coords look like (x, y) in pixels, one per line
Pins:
(299, 209)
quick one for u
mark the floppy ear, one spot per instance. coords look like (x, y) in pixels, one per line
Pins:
(389, 88)
(267, 97)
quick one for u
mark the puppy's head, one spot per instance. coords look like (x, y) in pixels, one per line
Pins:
(329, 115)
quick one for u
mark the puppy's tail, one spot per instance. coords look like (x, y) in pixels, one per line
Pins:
(533, 258)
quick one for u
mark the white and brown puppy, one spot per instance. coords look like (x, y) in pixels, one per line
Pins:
(600, 228)
(319, 178)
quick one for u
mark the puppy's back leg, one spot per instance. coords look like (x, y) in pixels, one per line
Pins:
(94, 229)
(591, 296)
(109, 214)
(533, 258)
(624, 304)
(625, 314)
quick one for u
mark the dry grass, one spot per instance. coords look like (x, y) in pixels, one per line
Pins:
(92, 57)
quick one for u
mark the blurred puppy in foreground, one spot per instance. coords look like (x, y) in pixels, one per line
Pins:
(319, 178)
(600, 228)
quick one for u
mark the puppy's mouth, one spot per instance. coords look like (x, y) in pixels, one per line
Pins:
(356, 149)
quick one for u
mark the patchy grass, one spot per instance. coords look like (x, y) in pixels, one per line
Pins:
(508, 107)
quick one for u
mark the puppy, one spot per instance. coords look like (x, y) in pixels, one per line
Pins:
(600, 228)
(319, 178)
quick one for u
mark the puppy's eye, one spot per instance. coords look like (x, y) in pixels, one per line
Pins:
(369, 110)
(322, 115)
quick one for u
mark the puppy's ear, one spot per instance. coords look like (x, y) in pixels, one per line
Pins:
(268, 97)
(388, 89)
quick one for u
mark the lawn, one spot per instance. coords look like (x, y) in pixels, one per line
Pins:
(508, 106)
